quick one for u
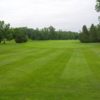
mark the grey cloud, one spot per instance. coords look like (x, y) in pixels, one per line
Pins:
(62, 14)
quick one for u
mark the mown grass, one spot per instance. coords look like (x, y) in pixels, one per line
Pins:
(50, 70)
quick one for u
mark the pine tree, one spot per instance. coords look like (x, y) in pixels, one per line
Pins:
(93, 34)
(98, 33)
(84, 36)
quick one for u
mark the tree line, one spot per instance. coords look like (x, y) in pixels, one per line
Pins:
(90, 35)
(23, 34)
(93, 33)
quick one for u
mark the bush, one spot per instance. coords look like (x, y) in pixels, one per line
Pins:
(21, 38)
(20, 35)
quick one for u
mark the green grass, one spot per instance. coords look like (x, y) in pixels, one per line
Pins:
(50, 70)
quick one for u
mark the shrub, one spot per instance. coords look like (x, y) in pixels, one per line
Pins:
(20, 35)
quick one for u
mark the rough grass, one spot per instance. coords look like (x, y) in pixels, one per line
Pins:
(50, 70)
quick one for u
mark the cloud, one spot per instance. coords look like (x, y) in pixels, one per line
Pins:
(62, 14)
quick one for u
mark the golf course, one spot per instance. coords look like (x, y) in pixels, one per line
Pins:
(50, 70)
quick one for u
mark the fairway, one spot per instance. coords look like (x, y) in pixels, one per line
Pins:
(50, 70)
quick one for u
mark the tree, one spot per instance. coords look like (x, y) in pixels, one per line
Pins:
(52, 32)
(20, 35)
(84, 35)
(45, 33)
(4, 30)
(98, 32)
(97, 6)
(93, 34)
(1, 37)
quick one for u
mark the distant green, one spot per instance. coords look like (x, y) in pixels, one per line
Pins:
(50, 70)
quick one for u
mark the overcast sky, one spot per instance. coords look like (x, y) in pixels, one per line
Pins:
(62, 14)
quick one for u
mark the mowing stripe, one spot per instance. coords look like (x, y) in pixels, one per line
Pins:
(77, 67)
(45, 71)
(22, 71)
(18, 57)
(93, 61)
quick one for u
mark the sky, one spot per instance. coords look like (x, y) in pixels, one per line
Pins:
(69, 15)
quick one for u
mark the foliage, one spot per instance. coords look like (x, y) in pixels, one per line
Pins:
(20, 35)
(49, 33)
(97, 6)
(90, 35)
(93, 34)
(98, 33)
(84, 35)
(4, 32)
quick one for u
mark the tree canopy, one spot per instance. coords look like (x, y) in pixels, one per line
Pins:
(90, 35)
(22, 34)
(4, 31)
(97, 6)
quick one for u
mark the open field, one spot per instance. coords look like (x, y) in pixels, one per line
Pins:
(50, 70)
